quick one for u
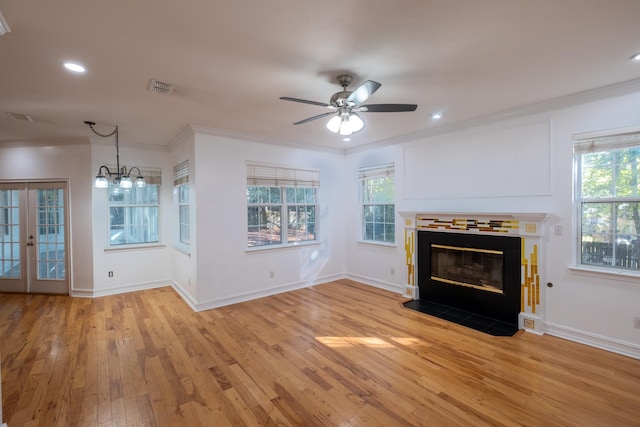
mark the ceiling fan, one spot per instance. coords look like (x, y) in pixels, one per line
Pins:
(346, 105)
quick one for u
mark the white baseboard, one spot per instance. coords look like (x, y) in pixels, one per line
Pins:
(94, 293)
(605, 343)
(393, 287)
(234, 299)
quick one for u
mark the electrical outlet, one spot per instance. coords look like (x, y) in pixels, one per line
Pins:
(529, 324)
(636, 322)
(271, 274)
(393, 271)
(110, 274)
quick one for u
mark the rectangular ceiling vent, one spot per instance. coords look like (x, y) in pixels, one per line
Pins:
(163, 88)
(18, 116)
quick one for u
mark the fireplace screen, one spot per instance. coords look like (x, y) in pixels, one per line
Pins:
(475, 268)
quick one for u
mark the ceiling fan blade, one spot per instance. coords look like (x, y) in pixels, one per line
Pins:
(387, 108)
(305, 101)
(310, 119)
(362, 92)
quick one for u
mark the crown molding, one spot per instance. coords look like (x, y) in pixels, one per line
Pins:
(261, 139)
(614, 90)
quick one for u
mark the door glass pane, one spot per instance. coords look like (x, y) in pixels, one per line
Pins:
(50, 228)
(9, 234)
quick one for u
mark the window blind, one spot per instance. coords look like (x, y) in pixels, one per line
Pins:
(260, 174)
(152, 176)
(181, 173)
(606, 143)
(380, 171)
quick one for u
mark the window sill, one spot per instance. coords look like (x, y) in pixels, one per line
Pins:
(616, 274)
(255, 249)
(374, 243)
(125, 248)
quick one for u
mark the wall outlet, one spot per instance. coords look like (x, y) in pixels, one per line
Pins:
(529, 324)
(110, 274)
(636, 322)
(393, 271)
(271, 274)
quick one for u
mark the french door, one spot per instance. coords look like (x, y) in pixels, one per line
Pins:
(34, 238)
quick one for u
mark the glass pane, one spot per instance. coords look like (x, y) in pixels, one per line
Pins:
(301, 225)
(626, 172)
(132, 225)
(378, 190)
(263, 225)
(597, 175)
(9, 235)
(50, 239)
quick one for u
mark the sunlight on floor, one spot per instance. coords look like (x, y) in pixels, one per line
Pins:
(374, 342)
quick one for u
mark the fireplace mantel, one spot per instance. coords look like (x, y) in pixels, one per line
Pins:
(529, 227)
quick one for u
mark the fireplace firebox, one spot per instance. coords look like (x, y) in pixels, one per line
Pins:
(477, 273)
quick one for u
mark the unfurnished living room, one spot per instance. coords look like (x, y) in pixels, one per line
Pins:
(338, 213)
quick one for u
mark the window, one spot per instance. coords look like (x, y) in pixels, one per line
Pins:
(181, 193)
(281, 205)
(608, 200)
(378, 204)
(133, 212)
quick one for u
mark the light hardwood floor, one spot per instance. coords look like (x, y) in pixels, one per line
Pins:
(338, 354)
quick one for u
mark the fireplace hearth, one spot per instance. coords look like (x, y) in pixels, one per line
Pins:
(467, 273)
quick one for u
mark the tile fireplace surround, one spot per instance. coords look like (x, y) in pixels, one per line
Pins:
(528, 226)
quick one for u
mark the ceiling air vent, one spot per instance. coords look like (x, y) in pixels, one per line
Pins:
(163, 88)
(18, 116)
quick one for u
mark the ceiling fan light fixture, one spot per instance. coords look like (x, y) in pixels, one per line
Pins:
(356, 123)
(334, 124)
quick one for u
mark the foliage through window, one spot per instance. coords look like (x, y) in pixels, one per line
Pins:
(281, 205)
(133, 212)
(608, 200)
(378, 204)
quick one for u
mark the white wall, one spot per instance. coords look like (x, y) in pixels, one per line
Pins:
(132, 268)
(226, 271)
(462, 171)
(185, 266)
(61, 160)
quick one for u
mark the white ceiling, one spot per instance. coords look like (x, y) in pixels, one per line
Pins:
(232, 59)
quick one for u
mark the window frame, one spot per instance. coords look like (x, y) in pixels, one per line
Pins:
(152, 178)
(604, 142)
(284, 179)
(365, 174)
(182, 207)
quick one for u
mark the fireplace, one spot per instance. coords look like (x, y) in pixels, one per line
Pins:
(473, 272)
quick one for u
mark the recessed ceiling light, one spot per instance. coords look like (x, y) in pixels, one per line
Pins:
(346, 139)
(436, 116)
(74, 67)
(636, 57)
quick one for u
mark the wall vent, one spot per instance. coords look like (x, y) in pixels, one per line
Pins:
(163, 88)
(18, 116)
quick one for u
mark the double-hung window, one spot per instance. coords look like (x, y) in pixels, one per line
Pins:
(607, 197)
(181, 200)
(281, 205)
(378, 203)
(134, 212)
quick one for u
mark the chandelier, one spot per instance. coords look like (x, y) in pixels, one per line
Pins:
(121, 176)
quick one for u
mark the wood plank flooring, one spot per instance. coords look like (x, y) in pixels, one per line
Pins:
(337, 354)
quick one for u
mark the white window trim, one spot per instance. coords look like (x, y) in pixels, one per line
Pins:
(273, 175)
(368, 172)
(584, 143)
